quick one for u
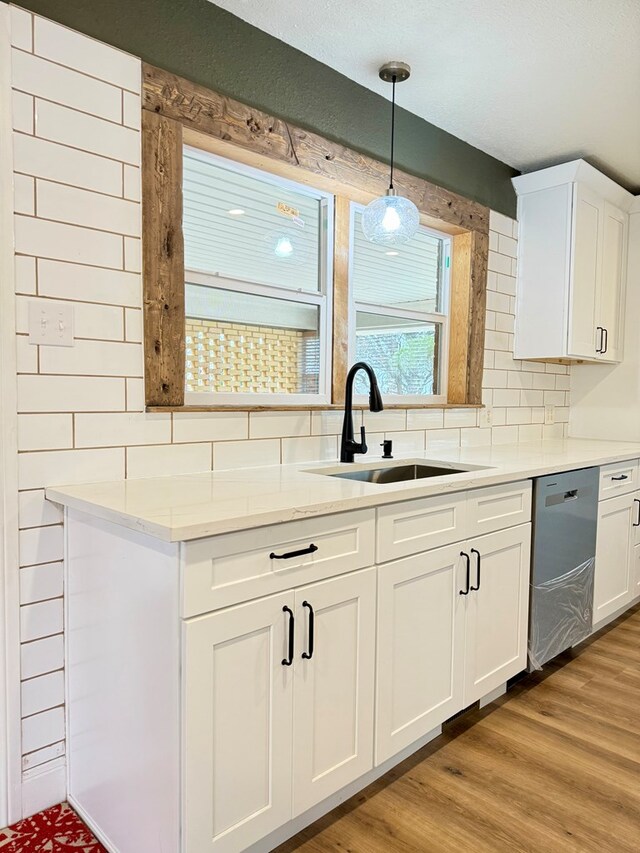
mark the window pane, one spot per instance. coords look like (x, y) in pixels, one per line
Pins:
(247, 228)
(403, 353)
(407, 276)
(246, 344)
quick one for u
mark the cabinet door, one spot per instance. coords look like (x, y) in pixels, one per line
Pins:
(612, 583)
(334, 685)
(586, 262)
(420, 647)
(497, 611)
(614, 240)
(237, 715)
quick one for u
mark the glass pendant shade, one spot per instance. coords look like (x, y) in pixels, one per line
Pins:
(390, 220)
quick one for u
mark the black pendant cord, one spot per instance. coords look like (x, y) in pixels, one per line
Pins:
(393, 125)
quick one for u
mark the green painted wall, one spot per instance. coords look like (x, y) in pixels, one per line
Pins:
(206, 44)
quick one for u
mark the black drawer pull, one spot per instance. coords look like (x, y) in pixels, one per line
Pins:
(601, 330)
(605, 345)
(289, 660)
(312, 631)
(310, 550)
(477, 553)
(621, 477)
(636, 523)
(468, 559)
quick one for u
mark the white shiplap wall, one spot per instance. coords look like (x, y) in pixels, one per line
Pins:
(76, 120)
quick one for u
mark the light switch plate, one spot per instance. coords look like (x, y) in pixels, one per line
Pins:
(549, 415)
(51, 323)
(486, 417)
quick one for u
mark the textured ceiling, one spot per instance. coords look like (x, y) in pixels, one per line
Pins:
(531, 82)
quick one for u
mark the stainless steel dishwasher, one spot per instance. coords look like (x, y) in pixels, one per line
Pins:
(565, 520)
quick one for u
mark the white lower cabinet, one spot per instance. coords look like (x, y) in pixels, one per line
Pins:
(616, 571)
(333, 695)
(452, 626)
(420, 647)
(238, 718)
(497, 610)
(278, 708)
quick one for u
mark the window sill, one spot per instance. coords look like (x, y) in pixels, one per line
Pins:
(314, 408)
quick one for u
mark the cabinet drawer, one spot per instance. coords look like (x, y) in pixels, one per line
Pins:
(234, 567)
(620, 478)
(412, 526)
(498, 507)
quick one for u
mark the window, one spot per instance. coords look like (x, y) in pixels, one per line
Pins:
(399, 299)
(257, 285)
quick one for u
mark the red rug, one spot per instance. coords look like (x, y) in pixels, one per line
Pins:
(56, 830)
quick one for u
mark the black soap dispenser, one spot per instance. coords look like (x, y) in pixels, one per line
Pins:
(386, 449)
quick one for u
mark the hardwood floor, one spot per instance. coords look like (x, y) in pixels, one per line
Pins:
(552, 766)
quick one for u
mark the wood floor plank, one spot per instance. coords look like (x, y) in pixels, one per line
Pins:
(552, 767)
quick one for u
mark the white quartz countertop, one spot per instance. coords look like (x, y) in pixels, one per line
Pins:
(190, 506)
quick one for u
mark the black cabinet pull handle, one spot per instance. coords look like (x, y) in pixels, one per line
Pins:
(468, 559)
(621, 477)
(478, 557)
(636, 523)
(288, 661)
(310, 550)
(605, 344)
(601, 330)
(312, 631)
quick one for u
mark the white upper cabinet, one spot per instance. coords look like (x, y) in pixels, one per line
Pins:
(571, 259)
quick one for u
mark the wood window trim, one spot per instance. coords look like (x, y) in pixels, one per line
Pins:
(176, 112)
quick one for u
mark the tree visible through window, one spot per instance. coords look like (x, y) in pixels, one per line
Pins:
(400, 298)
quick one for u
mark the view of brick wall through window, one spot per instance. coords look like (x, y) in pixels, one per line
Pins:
(76, 119)
(229, 357)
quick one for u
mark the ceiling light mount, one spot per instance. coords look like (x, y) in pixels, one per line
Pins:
(400, 70)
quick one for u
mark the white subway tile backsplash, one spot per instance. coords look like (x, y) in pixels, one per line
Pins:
(41, 756)
(309, 449)
(39, 583)
(26, 355)
(23, 112)
(41, 545)
(54, 82)
(42, 729)
(503, 397)
(119, 429)
(168, 459)
(425, 419)
(519, 415)
(41, 656)
(88, 284)
(102, 322)
(45, 431)
(388, 419)
(504, 434)
(63, 242)
(93, 358)
(132, 189)
(277, 424)
(133, 324)
(472, 437)
(246, 454)
(79, 130)
(201, 426)
(132, 254)
(135, 395)
(85, 54)
(44, 159)
(501, 223)
(21, 23)
(25, 273)
(507, 246)
(34, 510)
(42, 693)
(24, 198)
(499, 263)
(404, 441)
(63, 467)
(70, 394)
(89, 209)
(460, 418)
(131, 109)
(330, 422)
(40, 620)
(530, 432)
(440, 439)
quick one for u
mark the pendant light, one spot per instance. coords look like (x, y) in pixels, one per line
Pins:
(392, 219)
